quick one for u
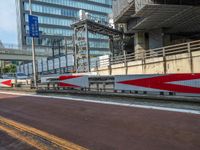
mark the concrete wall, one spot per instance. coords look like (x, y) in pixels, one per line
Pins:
(141, 3)
(196, 62)
(180, 63)
(119, 6)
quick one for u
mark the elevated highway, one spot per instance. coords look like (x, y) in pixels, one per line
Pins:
(10, 52)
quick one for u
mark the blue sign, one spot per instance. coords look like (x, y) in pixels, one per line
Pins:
(33, 26)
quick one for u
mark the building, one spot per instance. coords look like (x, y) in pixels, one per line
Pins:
(1, 44)
(55, 19)
(158, 23)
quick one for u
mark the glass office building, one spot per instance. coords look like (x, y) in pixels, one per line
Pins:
(55, 19)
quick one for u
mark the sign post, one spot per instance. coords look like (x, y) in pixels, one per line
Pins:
(34, 33)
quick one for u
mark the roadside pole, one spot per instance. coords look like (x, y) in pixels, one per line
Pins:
(33, 53)
(59, 53)
(66, 58)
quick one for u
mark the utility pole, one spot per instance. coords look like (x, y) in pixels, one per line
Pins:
(59, 53)
(33, 53)
(66, 58)
(53, 55)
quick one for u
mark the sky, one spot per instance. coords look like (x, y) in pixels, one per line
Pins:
(8, 22)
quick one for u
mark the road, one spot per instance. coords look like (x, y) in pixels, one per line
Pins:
(105, 127)
(9, 143)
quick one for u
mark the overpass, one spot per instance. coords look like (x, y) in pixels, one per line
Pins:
(12, 52)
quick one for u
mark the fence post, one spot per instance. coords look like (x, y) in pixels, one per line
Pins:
(109, 65)
(164, 61)
(190, 57)
(96, 65)
(144, 62)
(125, 63)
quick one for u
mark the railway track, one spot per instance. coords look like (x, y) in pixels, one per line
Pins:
(36, 138)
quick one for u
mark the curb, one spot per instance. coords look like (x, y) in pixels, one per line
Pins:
(106, 94)
(125, 95)
(19, 89)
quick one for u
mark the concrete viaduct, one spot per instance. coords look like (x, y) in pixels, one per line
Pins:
(20, 55)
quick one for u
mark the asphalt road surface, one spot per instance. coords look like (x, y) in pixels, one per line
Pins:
(105, 127)
(9, 143)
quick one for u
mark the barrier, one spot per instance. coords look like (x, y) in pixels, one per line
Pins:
(74, 81)
(47, 65)
(5, 83)
(179, 83)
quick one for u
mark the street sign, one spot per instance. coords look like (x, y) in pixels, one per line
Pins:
(33, 26)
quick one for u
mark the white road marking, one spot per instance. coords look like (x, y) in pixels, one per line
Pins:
(108, 103)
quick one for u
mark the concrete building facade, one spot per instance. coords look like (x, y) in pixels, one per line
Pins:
(55, 19)
(158, 23)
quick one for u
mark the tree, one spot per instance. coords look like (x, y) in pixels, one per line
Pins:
(10, 69)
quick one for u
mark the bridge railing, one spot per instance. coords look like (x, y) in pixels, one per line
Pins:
(22, 52)
(11, 46)
(184, 48)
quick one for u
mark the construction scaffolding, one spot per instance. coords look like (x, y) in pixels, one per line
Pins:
(81, 41)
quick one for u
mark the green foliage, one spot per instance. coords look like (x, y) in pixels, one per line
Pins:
(10, 69)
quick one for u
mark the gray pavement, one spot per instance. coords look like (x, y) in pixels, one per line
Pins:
(132, 101)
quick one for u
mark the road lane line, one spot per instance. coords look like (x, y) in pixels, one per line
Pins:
(108, 103)
(35, 137)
